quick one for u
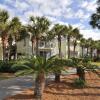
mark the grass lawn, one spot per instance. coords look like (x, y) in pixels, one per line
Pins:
(96, 63)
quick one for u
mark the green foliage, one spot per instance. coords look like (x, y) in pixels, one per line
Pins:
(79, 83)
(37, 65)
(84, 64)
(68, 63)
(75, 61)
(5, 66)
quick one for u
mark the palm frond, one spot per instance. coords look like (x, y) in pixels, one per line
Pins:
(24, 72)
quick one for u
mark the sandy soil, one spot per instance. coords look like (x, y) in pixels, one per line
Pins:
(65, 90)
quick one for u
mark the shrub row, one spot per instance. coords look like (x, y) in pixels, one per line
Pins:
(5, 66)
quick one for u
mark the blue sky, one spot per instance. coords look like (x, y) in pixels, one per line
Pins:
(74, 12)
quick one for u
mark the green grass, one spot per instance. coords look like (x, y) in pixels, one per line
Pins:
(96, 63)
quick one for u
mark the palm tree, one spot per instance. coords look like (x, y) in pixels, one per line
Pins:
(88, 44)
(76, 36)
(92, 46)
(69, 33)
(97, 47)
(58, 31)
(82, 44)
(40, 67)
(15, 27)
(10, 40)
(23, 34)
(31, 32)
(95, 17)
(38, 28)
(3, 28)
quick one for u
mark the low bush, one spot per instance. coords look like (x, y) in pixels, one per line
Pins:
(79, 83)
(5, 66)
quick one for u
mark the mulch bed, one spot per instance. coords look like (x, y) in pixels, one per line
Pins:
(65, 90)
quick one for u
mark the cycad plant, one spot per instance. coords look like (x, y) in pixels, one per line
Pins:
(40, 67)
(82, 65)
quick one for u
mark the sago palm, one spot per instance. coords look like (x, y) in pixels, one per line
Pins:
(40, 67)
(82, 65)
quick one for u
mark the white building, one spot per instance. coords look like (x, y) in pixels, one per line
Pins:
(47, 49)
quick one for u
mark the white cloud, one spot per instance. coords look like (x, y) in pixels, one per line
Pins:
(32, 13)
(89, 6)
(79, 14)
(57, 11)
(68, 13)
(91, 33)
(21, 5)
(51, 7)
(79, 26)
(3, 7)
(10, 11)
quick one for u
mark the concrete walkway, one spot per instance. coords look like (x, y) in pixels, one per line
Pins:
(14, 86)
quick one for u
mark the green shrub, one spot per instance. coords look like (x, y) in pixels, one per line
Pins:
(5, 66)
(79, 83)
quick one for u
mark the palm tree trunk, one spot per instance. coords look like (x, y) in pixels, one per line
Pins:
(39, 86)
(87, 50)
(15, 54)
(81, 73)
(24, 41)
(37, 46)
(57, 75)
(32, 47)
(74, 50)
(68, 42)
(59, 46)
(82, 51)
(10, 47)
(91, 53)
(98, 53)
(3, 48)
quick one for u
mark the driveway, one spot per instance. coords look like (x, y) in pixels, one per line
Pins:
(15, 85)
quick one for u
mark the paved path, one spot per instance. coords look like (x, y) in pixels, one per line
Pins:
(14, 86)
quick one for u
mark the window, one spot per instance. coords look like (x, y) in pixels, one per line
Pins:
(41, 44)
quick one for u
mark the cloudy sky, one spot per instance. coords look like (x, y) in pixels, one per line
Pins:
(74, 12)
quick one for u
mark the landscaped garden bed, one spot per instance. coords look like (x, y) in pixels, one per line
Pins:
(65, 90)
